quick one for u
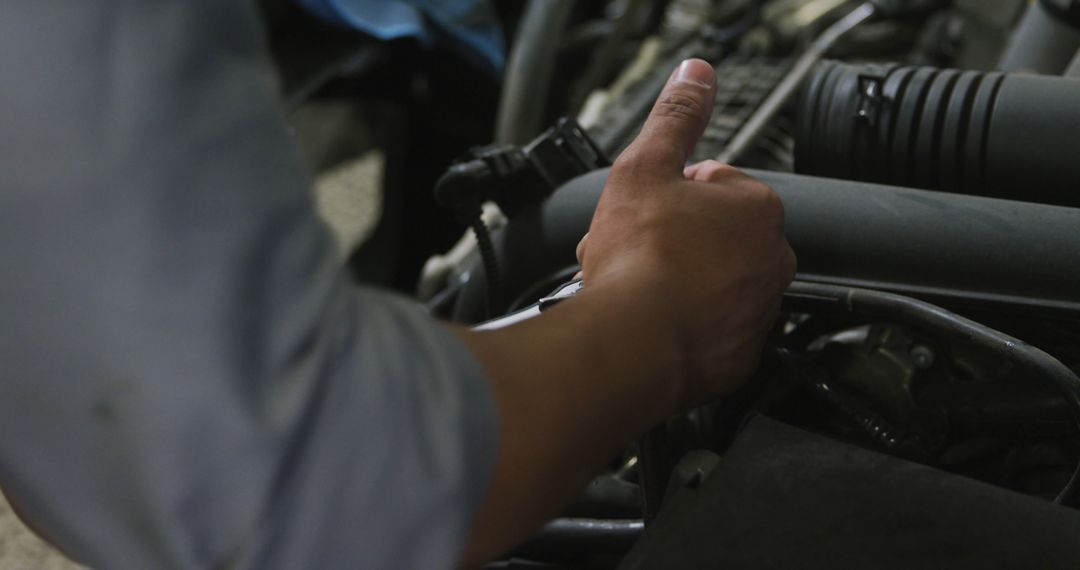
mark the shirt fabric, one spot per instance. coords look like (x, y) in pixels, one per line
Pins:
(189, 380)
(471, 27)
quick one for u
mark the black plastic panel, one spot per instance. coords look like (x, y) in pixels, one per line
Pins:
(786, 498)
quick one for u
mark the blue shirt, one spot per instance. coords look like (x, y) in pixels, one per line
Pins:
(189, 380)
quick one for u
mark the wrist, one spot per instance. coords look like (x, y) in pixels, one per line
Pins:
(634, 322)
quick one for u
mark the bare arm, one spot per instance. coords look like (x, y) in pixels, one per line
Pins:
(207, 388)
(570, 393)
(576, 384)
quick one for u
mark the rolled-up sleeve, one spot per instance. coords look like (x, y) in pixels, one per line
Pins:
(187, 378)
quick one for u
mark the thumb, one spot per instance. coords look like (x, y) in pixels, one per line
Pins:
(677, 120)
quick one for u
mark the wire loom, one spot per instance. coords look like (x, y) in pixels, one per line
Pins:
(514, 178)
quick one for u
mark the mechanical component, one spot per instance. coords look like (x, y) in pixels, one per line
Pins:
(560, 294)
(606, 56)
(1074, 67)
(745, 78)
(1007, 136)
(745, 83)
(757, 122)
(607, 497)
(529, 71)
(1047, 38)
(855, 234)
(917, 313)
(513, 178)
(859, 355)
(783, 497)
(923, 356)
(570, 538)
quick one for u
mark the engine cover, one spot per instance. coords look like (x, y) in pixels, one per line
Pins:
(786, 498)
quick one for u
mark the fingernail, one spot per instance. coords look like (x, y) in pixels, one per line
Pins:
(695, 71)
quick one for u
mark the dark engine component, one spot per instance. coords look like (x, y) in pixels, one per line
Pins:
(1030, 359)
(1002, 255)
(786, 498)
(1047, 38)
(989, 134)
(917, 403)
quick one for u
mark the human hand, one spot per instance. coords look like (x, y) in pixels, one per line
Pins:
(701, 248)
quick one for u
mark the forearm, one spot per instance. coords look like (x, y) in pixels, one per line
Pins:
(572, 388)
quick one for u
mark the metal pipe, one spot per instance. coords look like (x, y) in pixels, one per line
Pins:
(757, 122)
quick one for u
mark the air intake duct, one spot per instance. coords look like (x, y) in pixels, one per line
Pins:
(983, 133)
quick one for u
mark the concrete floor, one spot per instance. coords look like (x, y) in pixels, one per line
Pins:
(347, 198)
(21, 549)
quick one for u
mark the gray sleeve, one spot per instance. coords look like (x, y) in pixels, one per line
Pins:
(188, 379)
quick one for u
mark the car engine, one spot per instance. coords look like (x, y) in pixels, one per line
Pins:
(918, 403)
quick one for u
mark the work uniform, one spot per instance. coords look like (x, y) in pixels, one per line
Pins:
(188, 378)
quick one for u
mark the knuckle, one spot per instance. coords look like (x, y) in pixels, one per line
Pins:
(639, 162)
(714, 171)
(580, 251)
(778, 206)
(791, 266)
(627, 165)
(679, 104)
(761, 200)
(768, 201)
(625, 160)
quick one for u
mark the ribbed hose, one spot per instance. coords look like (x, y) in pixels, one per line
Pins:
(970, 132)
(909, 126)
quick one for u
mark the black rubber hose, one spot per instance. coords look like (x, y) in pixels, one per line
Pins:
(968, 132)
(460, 189)
(866, 302)
(1044, 41)
(529, 70)
(607, 55)
(953, 250)
(607, 497)
(490, 260)
(571, 538)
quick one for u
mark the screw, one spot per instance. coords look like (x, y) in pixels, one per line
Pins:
(923, 356)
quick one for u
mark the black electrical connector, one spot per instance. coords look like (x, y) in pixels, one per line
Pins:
(514, 178)
(467, 185)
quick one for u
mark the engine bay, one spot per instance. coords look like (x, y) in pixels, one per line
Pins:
(918, 403)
